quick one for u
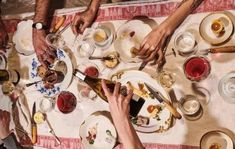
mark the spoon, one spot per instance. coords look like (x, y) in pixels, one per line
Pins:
(30, 84)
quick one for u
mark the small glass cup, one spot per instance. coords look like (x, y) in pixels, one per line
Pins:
(55, 41)
(185, 43)
(197, 68)
(66, 102)
(85, 49)
(46, 104)
(227, 87)
(166, 79)
(190, 107)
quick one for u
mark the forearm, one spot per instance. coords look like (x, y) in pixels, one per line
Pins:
(183, 10)
(94, 5)
(41, 11)
(128, 135)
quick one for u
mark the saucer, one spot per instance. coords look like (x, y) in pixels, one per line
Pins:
(215, 139)
(208, 34)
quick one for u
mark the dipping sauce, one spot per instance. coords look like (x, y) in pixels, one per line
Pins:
(92, 71)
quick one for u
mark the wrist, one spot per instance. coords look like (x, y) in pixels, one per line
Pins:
(94, 6)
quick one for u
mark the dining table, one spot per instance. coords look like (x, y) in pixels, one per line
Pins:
(218, 114)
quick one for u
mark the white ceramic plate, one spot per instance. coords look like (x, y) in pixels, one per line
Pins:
(216, 137)
(165, 117)
(124, 42)
(102, 127)
(58, 87)
(207, 33)
(23, 38)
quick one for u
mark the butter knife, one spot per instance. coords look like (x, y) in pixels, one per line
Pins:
(162, 99)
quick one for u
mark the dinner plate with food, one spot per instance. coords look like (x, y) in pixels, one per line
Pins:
(153, 116)
(128, 39)
(22, 38)
(216, 28)
(55, 79)
(98, 132)
(216, 140)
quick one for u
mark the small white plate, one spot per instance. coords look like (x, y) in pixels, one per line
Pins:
(58, 87)
(105, 133)
(124, 42)
(23, 38)
(218, 138)
(207, 33)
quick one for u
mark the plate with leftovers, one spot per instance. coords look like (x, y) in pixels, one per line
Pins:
(216, 140)
(54, 80)
(129, 38)
(153, 116)
(216, 28)
(98, 132)
(22, 38)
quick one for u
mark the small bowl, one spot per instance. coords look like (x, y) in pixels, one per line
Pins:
(102, 36)
(185, 43)
(46, 104)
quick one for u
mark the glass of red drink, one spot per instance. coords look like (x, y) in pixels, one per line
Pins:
(66, 102)
(197, 68)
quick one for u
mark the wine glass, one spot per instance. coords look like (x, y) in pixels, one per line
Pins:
(197, 68)
(66, 102)
(55, 41)
(166, 79)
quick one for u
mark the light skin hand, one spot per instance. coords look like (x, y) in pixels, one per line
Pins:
(152, 46)
(119, 109)
(4, 123)
(154, 43)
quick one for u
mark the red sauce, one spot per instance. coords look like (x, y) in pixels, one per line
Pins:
(92, 71)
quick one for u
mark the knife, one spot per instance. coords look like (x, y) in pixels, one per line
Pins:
(142, 65)
(53, 132)
(34, 125)
(162, 99)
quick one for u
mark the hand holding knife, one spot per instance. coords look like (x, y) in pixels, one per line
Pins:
(162, 99)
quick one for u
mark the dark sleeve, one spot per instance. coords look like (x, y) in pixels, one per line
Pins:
(11, 142)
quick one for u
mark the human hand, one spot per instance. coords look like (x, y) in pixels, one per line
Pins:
(46, 55)
(3, 37)
(118, 104)
(154, 43)
(83, 20)
(4, 123)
